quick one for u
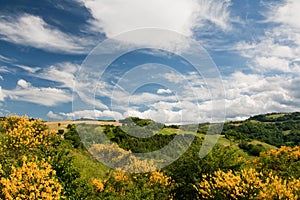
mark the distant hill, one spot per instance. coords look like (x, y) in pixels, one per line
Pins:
(277, 129)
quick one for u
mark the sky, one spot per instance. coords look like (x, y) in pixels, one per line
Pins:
(174, 61)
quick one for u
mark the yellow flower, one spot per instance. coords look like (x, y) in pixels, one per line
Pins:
(33, 180)
(98, 184)
(22, 133)
(248, 183)
(158, 177)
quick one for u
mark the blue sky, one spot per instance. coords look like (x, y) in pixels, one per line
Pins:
(50, 65)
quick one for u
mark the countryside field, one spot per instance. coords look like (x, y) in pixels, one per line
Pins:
(242, 165)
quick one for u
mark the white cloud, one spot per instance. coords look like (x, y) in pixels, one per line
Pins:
(286, 13)
(61, 72)
(246, 95)
(216, 12)
(147, 98)
(4, 69)
(2, 95)
(279, 46)
(272, 63)
(164, 91)
(23, 84)
(54, 116)
(116, 16)
(91, 114)
(68, 75)
(250, 94)
(28, 69)
(33, 31)
(38, 95)
(6, 59)
(163, 116)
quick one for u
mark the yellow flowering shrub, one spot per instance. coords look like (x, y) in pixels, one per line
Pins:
(33, 180)
(22, 136)
(121, 182)
(117, 157)
(279, 188)
(98, 184)
(154, 185)
(247, 184)
(284, 161)
(159, 178)
(22, 133)
(292, 153)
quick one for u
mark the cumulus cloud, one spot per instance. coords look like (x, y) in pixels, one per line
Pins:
(23, 84)
(246, 95)
(164, 91)
(53, 116)
(250, 94)
(90, 114)
(285, 13)
(279, 46)
(33, 31)
(2, 96)
(38, 95)
(272, 63)
(116, 16)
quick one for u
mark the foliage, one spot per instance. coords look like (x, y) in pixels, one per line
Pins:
(116, 157)
(189, 168)
(124, 185)
(33, 180)
(276, 117)
(284, 161)
(29, 139)
(138, 145)
(247, 184)
(253, 150)
(73, 136)
(65, 165)
(135, 121)
(22, 136)
(275, 129)
(273, 175)
(69, 177)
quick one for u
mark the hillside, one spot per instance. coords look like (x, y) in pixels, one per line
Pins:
(254, 135)
(263, 147)
(276, 129)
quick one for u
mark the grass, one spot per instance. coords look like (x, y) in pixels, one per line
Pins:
(87, 166)
(223, 141)
(168, 131)
(265, 145)
(57, 125)
(254, 121)
(287, 132)
(275, 116)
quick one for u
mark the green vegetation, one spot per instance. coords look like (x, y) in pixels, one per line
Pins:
(274, 129)
(253, 159)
